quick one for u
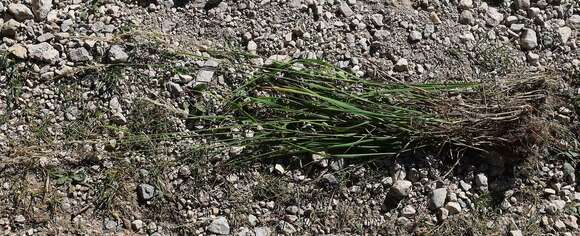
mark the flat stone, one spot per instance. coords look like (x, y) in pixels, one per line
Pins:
(79, 55)
(19, 51)
(117, 54)
(401, 188)
(345, 9)
(41, 8)
(219, 226)
(574, 22)
(438, 197)
(20, 12)
(10, 28)
(516, 233)
(493, 17)
(522, 4)
(262, 231)
(43, 52)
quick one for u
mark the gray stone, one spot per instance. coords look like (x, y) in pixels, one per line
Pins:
(402, 65)
(466, 4)
(262, 231)
(345, 9)
(41, 8)
(533, 58)
(493, 17)
(467, 18)
(401, 188)
(415, 36)
(569, 172)
(292, 210)
(19, 219)
(516, 233)
(438, 197)
(145, 191)
(45, 37)
(18, 51)
(253, 220)
(219, 226)
(522, 4)
(79, 55)
(137, 225)
(66, 25)
(43, 52)
(20, 12)
(453, 207)
(377, 19)
(10, 28)
(408, 211)
(168, 26)
(528, 39)
(574, 22)
(117, 54)
(286, 228)
(329, 180)
(252, 46)
(174, 88)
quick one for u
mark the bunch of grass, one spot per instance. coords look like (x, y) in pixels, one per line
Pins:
(306, 107)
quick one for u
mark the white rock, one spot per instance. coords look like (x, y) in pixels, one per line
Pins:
(481, 181)
(466, 4)
(43, 52)
(252, 46)
(402, 65)
(528, 39)
(20, 12)
(262, 231)
(18, 51)
(345, 9)
(438, 197)
(408, 211)
(533, 59)
(41, 8)
(415, 36)
(493, 17)
(401, 188)
(453, 207)
(565, 33)
(516, 233)
(137, 225)
(219, 226)
(253, 220)
(118, 54)
(574, 22)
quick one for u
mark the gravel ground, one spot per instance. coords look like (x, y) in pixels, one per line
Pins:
(95, 136)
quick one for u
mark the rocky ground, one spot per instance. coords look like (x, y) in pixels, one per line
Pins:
(96, 134)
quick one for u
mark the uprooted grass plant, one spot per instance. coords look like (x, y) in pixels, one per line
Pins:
(308, 107)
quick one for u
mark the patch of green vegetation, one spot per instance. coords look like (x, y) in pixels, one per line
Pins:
(14, 83)
(494, 58)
